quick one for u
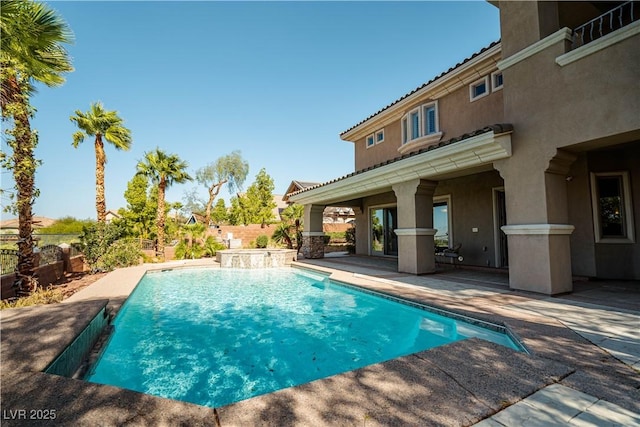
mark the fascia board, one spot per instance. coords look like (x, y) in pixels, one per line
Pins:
(475, 151)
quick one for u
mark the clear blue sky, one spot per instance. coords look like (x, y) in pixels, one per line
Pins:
(278, 81)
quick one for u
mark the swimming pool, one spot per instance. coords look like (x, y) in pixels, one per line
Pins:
(215, 337)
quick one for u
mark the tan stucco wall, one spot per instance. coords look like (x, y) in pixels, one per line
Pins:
(472, 207)
(620, 261)
(457, 116)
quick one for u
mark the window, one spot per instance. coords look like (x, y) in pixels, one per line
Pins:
(442, 221)
(419, 123)
(375, 138)
(429, 117)
(370, 141)
(479, 89)
(611, 203)
(496, 81)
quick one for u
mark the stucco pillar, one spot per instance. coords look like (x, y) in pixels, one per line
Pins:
(538, 234)
(313, 234)
(362, 231)
(416, 252)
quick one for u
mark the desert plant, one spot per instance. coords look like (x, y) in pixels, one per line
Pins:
(350, 237)
(40, 296)
(121, 253)
(96, 239)
(262, 241)
(212, 246)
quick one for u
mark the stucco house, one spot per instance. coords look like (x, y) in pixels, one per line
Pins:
(527, 153)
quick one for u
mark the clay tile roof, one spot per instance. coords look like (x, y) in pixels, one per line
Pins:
(496, 128)
(423, 85)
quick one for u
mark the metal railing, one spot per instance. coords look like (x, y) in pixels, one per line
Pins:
(50, 254)
(8, 260)
(604, 24)
(147, 245)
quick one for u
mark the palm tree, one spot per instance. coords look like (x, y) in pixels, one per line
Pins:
(32, 51)
(164, 170)
(105, 126)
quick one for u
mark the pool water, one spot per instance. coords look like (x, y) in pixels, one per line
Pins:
(215, 337)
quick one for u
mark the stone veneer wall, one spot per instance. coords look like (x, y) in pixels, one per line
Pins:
(313, 246)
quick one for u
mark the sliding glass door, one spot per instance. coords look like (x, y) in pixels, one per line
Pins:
(383, 239)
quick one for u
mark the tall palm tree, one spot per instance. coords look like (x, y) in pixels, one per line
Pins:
(32, 38)
(104, 126)
(164, 170)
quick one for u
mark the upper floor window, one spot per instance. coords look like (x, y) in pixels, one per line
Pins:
(420, 127)
(419, 122)
(611, 203)
(479, 88)
(375, 138)
(496, 81)
(370, 141)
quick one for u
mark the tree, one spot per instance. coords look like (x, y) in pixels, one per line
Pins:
(32, 51)
(259, 199)
(230, 169)
(192, 202)
(219, 213)
(142, 204)
(164, 170)
(104, 126)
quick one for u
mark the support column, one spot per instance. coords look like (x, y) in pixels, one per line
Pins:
(313, 236)
(416, 251)
(538, 232)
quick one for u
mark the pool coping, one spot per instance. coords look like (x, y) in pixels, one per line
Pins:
(458, 384)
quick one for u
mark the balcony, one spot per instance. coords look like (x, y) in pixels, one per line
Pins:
(608, 22)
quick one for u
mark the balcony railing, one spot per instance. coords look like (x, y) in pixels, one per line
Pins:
(604, 24)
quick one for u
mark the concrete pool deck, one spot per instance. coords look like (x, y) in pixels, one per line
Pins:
(583, 370)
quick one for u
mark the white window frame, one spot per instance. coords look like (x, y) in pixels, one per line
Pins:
(627, 206)
(477, 83)
(495, 87)
(380, 132)
(423, 139)
(373, 141)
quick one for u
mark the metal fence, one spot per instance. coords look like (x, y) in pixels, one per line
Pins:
(8, 260)
(50, 254)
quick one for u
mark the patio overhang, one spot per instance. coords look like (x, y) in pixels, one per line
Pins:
(493, 143)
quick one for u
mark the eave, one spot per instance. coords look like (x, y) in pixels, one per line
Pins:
(482, 148)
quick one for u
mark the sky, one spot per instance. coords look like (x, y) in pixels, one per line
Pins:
(278, 81)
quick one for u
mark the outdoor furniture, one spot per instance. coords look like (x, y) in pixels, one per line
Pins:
(452, 255)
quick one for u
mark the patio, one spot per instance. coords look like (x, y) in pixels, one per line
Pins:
(584, 364)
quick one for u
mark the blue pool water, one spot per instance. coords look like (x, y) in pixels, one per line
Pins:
(214, 337)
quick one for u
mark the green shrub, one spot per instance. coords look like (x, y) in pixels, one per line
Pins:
(262, 241)
(122, 253)
(184, 251)
(212, 246)
(96, 240)
(350, 237)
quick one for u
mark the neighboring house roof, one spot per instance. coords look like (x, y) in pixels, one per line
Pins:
(195, 218)
(297, 186)
(433, 80)
(497, 129)
(38, 222)
(113, 214)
